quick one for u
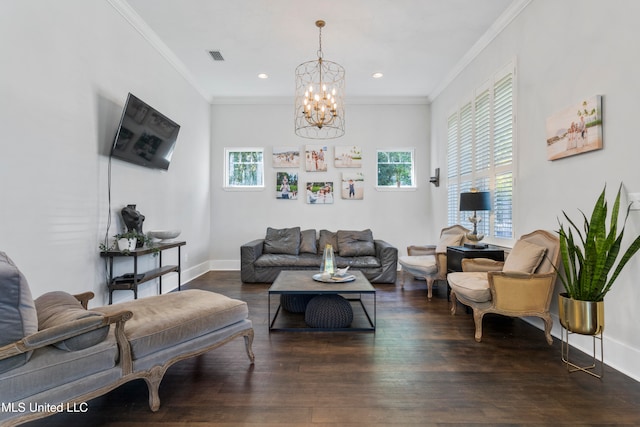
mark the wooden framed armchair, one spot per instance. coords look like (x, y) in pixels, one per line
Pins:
(520, 286)
(430, 261)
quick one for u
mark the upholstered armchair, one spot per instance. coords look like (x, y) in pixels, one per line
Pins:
(520, 286)
(430, 261)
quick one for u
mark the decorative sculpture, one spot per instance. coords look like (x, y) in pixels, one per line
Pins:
(133, 220)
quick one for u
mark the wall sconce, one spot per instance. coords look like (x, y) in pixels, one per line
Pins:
(436, 179)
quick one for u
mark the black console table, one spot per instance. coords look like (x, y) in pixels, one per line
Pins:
(132, 280)
(455, 254)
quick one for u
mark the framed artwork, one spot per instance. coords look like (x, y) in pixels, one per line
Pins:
(575, 130)
(286, 186)
(319, 193)
(352, 185)
(286, 157)
(347, 156)
(316, 158)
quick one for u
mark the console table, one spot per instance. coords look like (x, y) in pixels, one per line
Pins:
(455, 254)
(131, 281)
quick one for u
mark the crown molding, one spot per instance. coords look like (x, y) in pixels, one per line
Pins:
(152, 37)
(496, 28)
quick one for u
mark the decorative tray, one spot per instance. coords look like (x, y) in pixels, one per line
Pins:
(334, 279)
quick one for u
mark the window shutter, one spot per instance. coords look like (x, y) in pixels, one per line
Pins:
(483, 132)
(503, 121)
(452, 146)
(502, 206)
(466, 139)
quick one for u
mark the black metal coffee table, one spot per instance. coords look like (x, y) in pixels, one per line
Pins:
(301, 283)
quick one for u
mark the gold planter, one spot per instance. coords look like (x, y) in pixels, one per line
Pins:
(581, 317)
(585, 318)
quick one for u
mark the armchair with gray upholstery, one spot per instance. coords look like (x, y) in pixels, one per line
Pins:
(520, 286)
(430, 261)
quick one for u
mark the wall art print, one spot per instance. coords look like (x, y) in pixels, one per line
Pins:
(575, 130)
(286, 157)
(316, 158)
(319, 193)
(347, 156)
(352, 186)
(286, 186)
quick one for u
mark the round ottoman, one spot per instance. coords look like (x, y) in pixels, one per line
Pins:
(328, 311)
(295, 303)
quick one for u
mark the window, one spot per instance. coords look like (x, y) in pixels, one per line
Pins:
(395, 169)
(244, 168)
(480, 154)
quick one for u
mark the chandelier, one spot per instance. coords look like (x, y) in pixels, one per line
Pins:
(319, 104)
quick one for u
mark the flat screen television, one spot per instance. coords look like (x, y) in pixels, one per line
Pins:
(145, 136)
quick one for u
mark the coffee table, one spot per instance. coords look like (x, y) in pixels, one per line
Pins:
(301, 282)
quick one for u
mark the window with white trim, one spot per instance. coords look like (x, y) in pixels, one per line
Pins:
(243, 168)
(395, 168)
(480, 140)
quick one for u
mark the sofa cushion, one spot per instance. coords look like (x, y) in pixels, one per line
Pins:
(525, 257)
(282, 241)
(287, 261)
(473, 286)
(60, 308)
(419, 264)
(18, 312)
(50, 367)
(177, 317)
(308, 242)
(327, 237)
(356, 243)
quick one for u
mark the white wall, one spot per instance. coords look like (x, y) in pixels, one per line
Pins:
(397, 217)
(67, 68)
(567, 51)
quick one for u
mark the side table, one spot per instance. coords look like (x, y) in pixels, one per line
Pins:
(455, 255)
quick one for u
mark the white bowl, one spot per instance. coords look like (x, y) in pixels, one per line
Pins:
(163, 234)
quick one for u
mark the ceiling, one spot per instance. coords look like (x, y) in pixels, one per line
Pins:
(417, 44)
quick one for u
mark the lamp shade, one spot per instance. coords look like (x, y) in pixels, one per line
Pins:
(475, 201)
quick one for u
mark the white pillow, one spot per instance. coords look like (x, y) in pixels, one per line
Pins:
(448, 240)
(525, 257)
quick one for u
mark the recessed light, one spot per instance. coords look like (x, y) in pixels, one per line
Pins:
(377, 75)
(263, 76)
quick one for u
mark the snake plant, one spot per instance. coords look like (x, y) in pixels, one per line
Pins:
(589, 256)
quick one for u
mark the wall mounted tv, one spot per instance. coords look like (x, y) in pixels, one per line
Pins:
(145, 136)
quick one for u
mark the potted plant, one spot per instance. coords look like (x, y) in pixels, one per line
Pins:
(127, 241)
(589, 261)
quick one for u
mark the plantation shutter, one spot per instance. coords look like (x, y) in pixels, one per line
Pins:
(480, 140)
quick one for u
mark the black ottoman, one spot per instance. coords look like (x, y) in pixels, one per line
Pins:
(328, 311)
(295, 303)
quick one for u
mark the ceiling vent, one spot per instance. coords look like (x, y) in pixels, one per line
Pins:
(216, 55)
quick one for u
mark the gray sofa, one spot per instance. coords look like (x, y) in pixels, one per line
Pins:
(55, 354)
(261, 260)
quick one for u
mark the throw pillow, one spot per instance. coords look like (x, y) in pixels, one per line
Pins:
(525, 257)
(328, 238)
(356, 243)
(449, 239)
(19, 318)
(60, 308)
(308, 242)
(282, 241)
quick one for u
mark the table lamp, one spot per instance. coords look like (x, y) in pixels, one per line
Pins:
(475, 201)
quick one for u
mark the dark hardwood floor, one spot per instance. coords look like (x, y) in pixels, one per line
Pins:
(421, 367)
